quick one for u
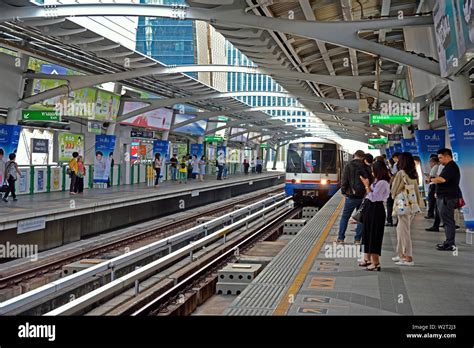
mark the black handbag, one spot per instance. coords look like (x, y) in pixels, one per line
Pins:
(357, 216)
(4, 188)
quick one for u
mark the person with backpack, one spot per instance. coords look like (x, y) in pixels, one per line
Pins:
(183, 170)
(354, 191)
(11, 174)
(406, 180)
(72, 171)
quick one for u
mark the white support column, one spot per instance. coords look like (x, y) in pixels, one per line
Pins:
(460, 92)
(276, 157)
(13, 114)
(406, 132)
(423, 122)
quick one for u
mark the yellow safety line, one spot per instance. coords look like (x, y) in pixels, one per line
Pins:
(294, 287)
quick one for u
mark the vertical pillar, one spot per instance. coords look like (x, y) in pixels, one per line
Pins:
(406, 132)
(460, 92)
(276, 157)
(111, 127)
(13, 114)
(423, 122)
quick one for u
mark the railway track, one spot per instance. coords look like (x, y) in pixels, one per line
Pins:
(20, 274)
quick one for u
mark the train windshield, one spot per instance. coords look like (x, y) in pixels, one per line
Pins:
(311, 158)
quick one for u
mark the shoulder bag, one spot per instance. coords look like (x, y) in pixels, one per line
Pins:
(406, 202)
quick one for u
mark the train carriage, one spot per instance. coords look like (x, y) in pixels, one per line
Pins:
(314, 169)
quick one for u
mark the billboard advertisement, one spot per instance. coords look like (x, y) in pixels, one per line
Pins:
(196, 128)
(197, 149)
(159, 119)
(69, 143)
(9, 139)
(107, 106)
(409, 145)
(429, 142)
(461, 134)
(104, 148)
(161, 147)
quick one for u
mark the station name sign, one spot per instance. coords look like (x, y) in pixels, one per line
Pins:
(378, 141)
(390, 119)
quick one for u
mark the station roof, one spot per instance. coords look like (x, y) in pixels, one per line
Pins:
(66, 42)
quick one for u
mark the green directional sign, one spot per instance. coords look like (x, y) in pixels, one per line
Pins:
(390, 119)
(213, 138)
(264, 146)
(378, 141)
(38, 115)
(371, 147)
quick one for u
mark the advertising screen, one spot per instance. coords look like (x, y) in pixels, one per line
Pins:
(159, 119)
(196, 128)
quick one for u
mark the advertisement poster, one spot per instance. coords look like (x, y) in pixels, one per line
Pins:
(221, 151)
(180, 150)
(461, 134)
(388, 151)
(446, 37)
(197, 149)
(69, 143)
(429, 142)
(40, 180)
(159, 119)
(161, 147)
(104, 148)
(196, 128)
(55, 178)
(409, 145)
(23, 181)
(465, 28)
(107, 106)
(397, 147)
(9, 138)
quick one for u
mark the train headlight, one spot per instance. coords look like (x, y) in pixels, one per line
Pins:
(295, 181)
(324, 181)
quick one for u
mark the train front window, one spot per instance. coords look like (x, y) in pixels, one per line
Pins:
(311, 160)
(329, 158)
(294, 161)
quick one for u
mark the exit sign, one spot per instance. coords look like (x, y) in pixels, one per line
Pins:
(214, 138)
(372, 147)
(390, 119)
(264, 146)
(374, 141)
(39, 115)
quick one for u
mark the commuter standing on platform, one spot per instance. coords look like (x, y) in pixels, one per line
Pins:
(259, 165)
(3, 179)
(373, 219)
(11, 174)
(437, 216)
(81, 173)
(189, 164)
(246, 165)
(393, 171)
(157, 167)
(202, 168)
(72, 166)
(195, 164)
(369, 159)
(220, 165)
(434, 164)
(353, 190)
(406, 175)
(174, 168)
(448, 194)
(183, 170)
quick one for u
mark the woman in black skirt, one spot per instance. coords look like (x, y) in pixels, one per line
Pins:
(373, 217)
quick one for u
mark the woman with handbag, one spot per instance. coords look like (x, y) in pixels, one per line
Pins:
(373, 215)
(407, 203)
(11, 174)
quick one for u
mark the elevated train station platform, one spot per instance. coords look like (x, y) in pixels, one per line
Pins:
(68, 218)
(307, 279)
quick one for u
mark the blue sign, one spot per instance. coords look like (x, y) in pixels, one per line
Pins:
(461, 133)
(409, 145)
(9, 138)
(161, 147)
(104, 150)
(53, 69)
(221, 151)
(429, 142)
(397, 147)
(388, 152)
(197, 149)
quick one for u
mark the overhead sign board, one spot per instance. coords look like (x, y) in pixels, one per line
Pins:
(395, 137)
(390, 119)
(39, 145)
(142, 134)
(264, 146)
(213, 138)
(378, 141)
(39, 115)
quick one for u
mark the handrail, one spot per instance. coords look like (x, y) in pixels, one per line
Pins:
(145, 271)
(119, 261)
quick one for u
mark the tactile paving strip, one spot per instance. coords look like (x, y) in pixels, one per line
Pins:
(262, 296)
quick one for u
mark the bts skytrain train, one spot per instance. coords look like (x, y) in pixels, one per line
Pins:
(314, 170)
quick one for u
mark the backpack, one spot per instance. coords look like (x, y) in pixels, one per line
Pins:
(183, 165)
(356, 186)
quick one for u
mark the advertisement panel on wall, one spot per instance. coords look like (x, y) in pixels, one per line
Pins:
(161, 147)
(196, 128)
(55, 179)
(107, 106)
(69, 143)
(461, 134)
(9, 138)
(409, 145)
(197, 149)
(104, 148)
(159, 119)
(397, 147)
(429, 142)
(221, 151)
(180, 150)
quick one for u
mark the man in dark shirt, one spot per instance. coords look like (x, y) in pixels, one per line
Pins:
(447, 196)
(354, 191)
(174, 168)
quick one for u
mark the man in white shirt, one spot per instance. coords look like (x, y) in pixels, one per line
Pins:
(434, 164)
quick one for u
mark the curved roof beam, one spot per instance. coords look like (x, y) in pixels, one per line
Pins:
(339, 33)
(353, 83)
